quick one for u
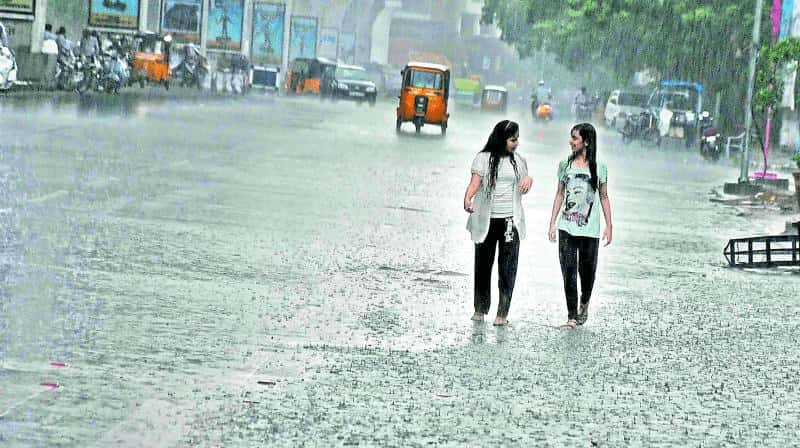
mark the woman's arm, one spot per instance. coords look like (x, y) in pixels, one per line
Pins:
(526, 182)
(472, 188)
(559, 199)
(606, 204)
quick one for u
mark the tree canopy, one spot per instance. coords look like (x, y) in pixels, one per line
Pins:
(703, 41)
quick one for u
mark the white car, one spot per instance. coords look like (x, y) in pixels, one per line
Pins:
(623, 103)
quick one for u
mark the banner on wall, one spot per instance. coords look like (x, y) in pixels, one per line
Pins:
(18, 6)
(114, 13)
(328, 43)
(182, 19)
(268, 22)
(347, 47)
(303, 37)
(225, 20)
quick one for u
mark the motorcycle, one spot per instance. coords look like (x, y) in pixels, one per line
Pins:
(193, 70)
(642, 126)
(710, 138)
(92, 71)
(583, 111)
(69, 73)
(116, 72)
(8, 68)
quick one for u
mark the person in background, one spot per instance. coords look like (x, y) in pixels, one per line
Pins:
(48, 32)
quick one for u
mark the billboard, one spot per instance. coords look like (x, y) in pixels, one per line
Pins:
(19, 6)
(347, 47)
(114, 13)
(303, 37)
(268, 23)
(225, 20)
(182, 19)
(328, 43)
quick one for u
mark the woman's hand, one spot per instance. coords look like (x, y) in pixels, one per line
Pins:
(469, 206)
(525, 184)
(551, 233)
(607, 235)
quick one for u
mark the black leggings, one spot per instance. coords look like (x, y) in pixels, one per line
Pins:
(506, 267)
(578, 256)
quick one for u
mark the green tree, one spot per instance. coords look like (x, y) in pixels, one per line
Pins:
(704, 41)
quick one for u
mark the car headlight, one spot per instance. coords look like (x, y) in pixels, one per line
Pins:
(689, 116)
(343, 86)
(371, 89)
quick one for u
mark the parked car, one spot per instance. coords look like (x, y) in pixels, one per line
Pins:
(621, 104)
(349, 82)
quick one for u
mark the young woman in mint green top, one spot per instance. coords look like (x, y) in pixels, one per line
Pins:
(582, 192)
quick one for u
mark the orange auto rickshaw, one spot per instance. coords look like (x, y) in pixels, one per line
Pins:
(151, 59)
(305, 75)
(424, 95)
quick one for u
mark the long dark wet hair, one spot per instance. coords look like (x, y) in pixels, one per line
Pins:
(496, 146)
(589, 136)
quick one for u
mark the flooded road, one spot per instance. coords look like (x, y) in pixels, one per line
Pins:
(277, 272)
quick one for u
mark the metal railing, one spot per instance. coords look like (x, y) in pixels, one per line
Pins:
(763, 251)
(735, 142)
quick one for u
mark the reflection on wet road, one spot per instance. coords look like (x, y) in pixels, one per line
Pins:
(265, 271)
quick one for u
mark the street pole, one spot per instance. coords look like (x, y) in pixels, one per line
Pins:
(748, 119)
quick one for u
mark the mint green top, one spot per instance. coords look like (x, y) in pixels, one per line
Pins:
(580, 213)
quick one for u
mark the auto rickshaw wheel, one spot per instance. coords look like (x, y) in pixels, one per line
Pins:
(166, 84)
(444, 128)
(417, 126)
(141, 83)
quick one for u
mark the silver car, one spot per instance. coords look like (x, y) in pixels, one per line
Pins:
(622, 103)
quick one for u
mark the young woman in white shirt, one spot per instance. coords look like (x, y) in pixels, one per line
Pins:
(496, 221)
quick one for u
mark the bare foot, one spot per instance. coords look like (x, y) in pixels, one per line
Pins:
(500, 321)
(478, 317)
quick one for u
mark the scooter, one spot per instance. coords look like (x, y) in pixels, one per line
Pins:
(8, 68)
(544, 112)
(710, 138)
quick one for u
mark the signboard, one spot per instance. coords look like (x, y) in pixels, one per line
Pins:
(18, 6)
(268, 22)
(303, 37)
(114, 14)
(347, 47)
(225, 20)
(328, 43)
(182, 19)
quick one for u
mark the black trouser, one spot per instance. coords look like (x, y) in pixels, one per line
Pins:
(506, 267)
(578, 256)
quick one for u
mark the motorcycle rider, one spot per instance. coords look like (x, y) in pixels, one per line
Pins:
(580, 103)
(541, 94)
(189, 64)
(90, 45)
(64, 44)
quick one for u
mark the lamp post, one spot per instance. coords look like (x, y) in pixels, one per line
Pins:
(748, 118)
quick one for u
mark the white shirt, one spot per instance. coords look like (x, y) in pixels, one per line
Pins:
(506, 182)
(478, 222)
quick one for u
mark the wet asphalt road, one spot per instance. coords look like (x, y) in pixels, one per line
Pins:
(274, 272)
